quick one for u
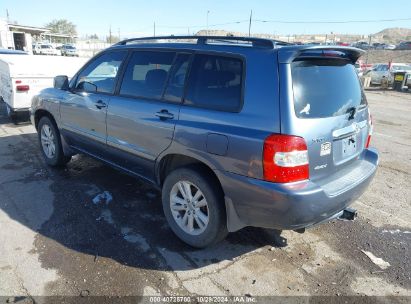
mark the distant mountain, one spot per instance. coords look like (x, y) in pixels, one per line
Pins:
(388, 35)
(395, 34)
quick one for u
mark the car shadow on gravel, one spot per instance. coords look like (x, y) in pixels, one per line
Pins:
(130, 229)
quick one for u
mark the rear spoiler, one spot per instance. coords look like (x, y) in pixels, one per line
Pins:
(288, 54)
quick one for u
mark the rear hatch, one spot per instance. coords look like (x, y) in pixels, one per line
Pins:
(327, 107)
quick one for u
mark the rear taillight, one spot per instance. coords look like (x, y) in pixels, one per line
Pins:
(22, 88)
(370, 129)
(285, 159)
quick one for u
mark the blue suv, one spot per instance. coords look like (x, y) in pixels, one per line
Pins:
(235, 131)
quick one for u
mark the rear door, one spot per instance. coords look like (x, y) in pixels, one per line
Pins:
(329, 109)
(142, 116)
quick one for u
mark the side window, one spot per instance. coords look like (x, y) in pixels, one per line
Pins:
(146, 74)
(100, 74)
(215, 82)
(175, 86)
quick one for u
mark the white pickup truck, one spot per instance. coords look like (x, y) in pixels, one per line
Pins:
(22, 77)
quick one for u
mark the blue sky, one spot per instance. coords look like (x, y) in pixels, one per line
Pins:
(136, 18)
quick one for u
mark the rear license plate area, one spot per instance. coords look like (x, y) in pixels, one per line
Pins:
(349, 146)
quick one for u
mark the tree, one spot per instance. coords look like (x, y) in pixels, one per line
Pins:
(112, 39)
(94, 36)
(62, 26)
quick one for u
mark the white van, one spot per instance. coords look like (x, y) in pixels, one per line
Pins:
(22, 77)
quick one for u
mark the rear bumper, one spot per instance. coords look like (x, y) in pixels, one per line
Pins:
(253, 202)
(25, 110)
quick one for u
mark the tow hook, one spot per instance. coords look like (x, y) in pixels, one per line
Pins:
(348, 214)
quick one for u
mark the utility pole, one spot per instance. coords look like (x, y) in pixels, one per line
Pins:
(368, 51)
(8, 16)
(109, 36)
(118, 30)
(249, 25)
(207, 22)
(154, 28)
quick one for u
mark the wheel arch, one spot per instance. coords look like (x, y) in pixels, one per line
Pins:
(41, 113)
(173, 161)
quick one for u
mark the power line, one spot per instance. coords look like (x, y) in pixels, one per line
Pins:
(333, 22)
(202, 26)
(275, 21)
(286, 22)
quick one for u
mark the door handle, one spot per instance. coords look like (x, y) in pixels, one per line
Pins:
(164, 114)
(100, 104)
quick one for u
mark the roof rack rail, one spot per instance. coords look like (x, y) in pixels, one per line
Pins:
(257, 42)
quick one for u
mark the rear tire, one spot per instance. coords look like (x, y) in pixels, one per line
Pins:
(11, 114)
(198, 220)
(50, 143)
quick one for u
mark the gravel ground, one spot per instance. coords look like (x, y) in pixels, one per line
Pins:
(54, 241)
(384, 56)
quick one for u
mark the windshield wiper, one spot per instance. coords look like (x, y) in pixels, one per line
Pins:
(351, 111)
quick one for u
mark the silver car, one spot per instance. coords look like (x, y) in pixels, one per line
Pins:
(379, 71)
(68, 50)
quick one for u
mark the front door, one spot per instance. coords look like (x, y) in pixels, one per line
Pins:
(83, 109)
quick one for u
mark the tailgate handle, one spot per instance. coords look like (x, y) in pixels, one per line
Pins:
(350, 130)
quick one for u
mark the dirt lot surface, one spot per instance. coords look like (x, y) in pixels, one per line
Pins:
(54, 240)
(384, 56)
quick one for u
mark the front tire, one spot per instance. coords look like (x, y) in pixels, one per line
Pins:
(50, 143)
(193, 205)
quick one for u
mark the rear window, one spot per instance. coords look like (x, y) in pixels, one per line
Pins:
(215, 82)
(325, 88)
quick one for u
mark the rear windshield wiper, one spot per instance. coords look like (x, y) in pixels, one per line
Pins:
(351, 111)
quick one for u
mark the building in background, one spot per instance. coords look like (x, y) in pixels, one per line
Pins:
(22, 37)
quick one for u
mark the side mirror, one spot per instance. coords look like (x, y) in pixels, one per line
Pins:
(61, 82)
(87, 87)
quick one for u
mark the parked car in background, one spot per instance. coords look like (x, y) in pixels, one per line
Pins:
(359, 68)
(377, 46)
(383, 46)
(35, 49)
(46, 49)
(381, 70)
(361, 45)
(389, 46)
(68, 50)
(405, 45)
(205, 122)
